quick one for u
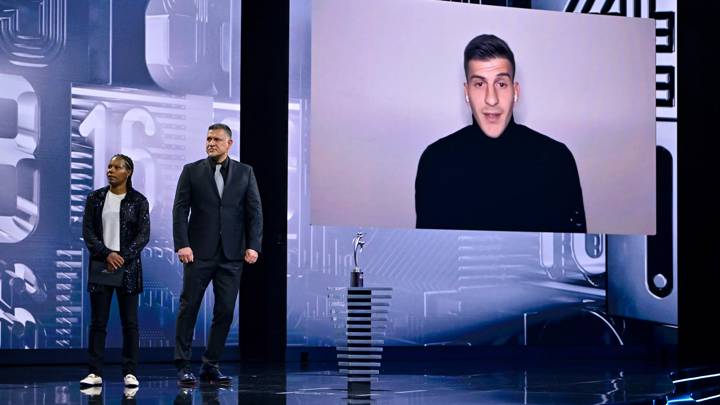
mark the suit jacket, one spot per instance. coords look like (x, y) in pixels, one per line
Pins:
(134, 234)
(202, 220)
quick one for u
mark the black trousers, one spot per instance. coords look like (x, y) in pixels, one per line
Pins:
(225, 276)
(100, 301)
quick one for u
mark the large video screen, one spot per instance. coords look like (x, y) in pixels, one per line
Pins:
(83, 80)
(463, 287)
(417, 122)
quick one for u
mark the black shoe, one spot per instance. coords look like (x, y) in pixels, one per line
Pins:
(213, 375)
(186, 377)
(184, 396)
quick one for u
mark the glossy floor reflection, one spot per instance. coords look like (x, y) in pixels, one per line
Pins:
(436, 384)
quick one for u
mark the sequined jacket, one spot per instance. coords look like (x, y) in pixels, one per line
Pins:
(134, 234)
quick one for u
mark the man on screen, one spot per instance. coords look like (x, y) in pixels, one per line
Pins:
(496, 174)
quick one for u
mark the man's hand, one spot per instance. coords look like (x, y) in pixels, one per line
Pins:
(185, 255)
(114, 261)
(251, 256)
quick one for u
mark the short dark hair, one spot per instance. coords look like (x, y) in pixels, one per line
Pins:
(223, 127)
(488, 46)
(129, 165)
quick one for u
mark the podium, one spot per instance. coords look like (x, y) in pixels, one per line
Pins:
(359, 353)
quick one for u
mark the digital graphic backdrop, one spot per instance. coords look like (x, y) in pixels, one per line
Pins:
(78, 87)
(469, 288)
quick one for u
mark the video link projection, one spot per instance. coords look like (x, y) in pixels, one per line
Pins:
(372, 83)
(79, 87)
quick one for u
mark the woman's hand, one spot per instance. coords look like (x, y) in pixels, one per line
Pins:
(115, 261)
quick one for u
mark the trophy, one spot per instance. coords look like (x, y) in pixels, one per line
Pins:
(356, 276)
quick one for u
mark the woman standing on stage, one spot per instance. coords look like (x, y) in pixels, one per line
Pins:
(116, 228)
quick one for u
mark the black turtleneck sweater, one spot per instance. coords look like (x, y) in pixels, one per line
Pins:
(520, 181)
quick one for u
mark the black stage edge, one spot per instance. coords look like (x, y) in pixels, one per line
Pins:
(112, 356)
(263, 145)
(698, 140)
(662, 355)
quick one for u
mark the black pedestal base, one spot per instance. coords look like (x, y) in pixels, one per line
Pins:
(358, 388)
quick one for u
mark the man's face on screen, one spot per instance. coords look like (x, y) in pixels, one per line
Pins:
(491, 93)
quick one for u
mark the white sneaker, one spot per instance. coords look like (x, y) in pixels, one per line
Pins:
(131, 381)
(92, 391)
(91, 380)
(130, 393)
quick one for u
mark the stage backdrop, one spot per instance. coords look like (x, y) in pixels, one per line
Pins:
(462, 287)
(83, 80)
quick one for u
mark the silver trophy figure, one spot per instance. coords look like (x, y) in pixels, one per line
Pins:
(356, 276)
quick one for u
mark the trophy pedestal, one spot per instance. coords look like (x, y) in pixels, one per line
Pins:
(365, 324)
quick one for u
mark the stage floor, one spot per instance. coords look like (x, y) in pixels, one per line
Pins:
(320, 383)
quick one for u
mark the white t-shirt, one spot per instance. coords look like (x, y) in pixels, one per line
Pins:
(111, 221)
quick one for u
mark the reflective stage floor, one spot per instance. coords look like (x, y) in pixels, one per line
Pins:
(320, 383)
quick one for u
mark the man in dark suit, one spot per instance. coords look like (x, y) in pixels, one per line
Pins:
(217, 223)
